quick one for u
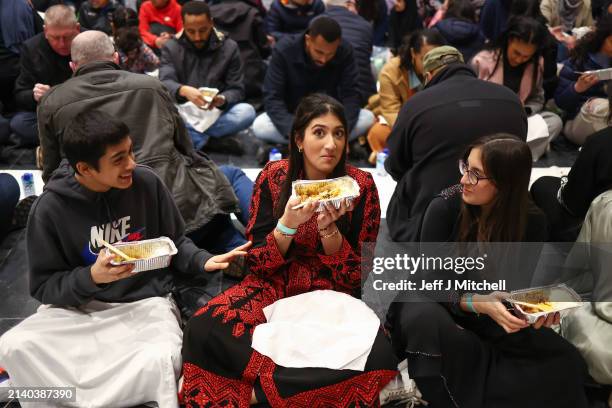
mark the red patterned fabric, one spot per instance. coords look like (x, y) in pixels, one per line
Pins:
(304, 268)
(359, 391)
(210, 390)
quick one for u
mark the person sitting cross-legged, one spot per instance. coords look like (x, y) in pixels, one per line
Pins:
(205, 57)
(319, 60)
(298, 253)
(45, 60)
(125, 325)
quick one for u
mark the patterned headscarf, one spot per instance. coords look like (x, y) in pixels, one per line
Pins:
(568, 11)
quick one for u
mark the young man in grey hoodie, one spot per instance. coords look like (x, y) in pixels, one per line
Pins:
(124, 325)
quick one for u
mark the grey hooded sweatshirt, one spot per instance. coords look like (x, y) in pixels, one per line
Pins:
(66, 226)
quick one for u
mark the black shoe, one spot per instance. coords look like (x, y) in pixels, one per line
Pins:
(22, 211)
(226, 144)
(357, 152)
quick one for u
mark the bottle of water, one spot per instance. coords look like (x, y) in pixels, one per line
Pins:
(275, 155)
(27, 181)
(380, 162)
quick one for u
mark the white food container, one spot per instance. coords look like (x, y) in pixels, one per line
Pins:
(349, 189)
(152, 253)
(208, 94)
(602, 74)
(562, 297)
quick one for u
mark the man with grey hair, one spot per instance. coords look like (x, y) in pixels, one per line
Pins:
(91, 46)
(201, 190)
(44, 63)
(357, 32)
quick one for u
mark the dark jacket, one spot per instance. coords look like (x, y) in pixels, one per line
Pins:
(160, 140)
(566, 96)
(67, 224)
(591, 174)
(244, 24)
(292, 75)
(217, 65)
(97, 19)
(442, 216)
(431, 133)
(463, 35)
(18, 23)
(494, 17)
(39, 64)
(357, 32)
(289, 19)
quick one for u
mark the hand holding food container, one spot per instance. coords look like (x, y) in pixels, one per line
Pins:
(331, 198)
(204, 98)
(145, 255)
(104, 271)
(151, 254)
(211, 99)
(536, 305)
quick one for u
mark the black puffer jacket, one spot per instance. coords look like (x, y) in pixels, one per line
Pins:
(463, 35)
(217, 65)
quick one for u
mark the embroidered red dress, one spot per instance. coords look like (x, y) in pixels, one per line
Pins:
(220, 367)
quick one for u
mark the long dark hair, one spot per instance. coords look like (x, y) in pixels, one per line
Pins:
(592, 42)
(415, 41)
(507, 162)
(311, 107)
(462, 10)
(527, 30)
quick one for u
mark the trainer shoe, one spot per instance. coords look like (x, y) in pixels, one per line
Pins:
(402, 390)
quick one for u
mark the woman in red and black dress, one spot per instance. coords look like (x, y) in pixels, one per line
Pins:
(294, 252)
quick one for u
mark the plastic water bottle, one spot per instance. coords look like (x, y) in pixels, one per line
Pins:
(27, 181)
(380, 162)
(275, 155)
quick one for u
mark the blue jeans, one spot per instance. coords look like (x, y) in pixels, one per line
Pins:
(25, 126)
(220, 235)
(232, 121)
(243, 187)
(264, 129)
(9, 196)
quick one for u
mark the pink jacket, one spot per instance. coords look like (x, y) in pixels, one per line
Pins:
(484, 63)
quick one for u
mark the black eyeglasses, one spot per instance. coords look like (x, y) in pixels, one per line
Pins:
(472, 177)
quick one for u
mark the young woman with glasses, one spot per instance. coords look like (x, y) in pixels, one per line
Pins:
(492, 202)
(469, 350)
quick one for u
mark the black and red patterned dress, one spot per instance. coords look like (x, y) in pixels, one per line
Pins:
(221, 369)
